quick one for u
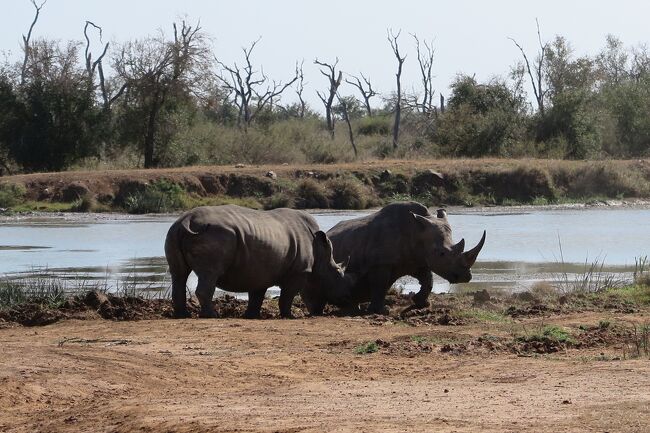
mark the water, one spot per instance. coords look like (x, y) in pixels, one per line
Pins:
(521, 247)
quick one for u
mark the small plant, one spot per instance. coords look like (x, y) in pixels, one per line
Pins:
(641, 275)
(366, 348)
(87, 203)
(11, 194)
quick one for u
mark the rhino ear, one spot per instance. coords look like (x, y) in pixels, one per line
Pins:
(421, 221)
(322, 243)
(441, 213)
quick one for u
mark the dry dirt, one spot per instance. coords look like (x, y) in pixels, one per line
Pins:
(303, 375)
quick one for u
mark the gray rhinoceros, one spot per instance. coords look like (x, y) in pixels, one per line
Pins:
(400, 239)
(245, 250)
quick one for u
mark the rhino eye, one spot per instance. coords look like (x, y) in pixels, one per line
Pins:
(442, 253)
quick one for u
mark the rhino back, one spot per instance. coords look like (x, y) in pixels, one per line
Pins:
(260, 248)
(386, 237)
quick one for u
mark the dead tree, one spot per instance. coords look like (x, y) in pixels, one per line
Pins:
(366, 93)
(98, 66)
(300, 88)
(328, 100)
(392, 39)
(252, 89)
(346, 118)
(26, 40)
(425, 61)
(536, 77)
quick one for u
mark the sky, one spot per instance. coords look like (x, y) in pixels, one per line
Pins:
(469, 37)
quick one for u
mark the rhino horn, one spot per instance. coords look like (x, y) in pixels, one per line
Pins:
(472, 254)
(459, 247)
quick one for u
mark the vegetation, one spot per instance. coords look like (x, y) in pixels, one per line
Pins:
(166, 101)
(366, 348)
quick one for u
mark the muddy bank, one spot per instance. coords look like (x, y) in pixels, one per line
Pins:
(337, 186)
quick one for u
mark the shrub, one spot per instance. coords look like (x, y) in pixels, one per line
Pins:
(278, 200)
(376, 125)
(311, 195)
(346, 193)
(11, 194)
(159, 196)
(87, 203)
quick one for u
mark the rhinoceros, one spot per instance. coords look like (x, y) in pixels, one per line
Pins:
(245, 250)
(400, 239)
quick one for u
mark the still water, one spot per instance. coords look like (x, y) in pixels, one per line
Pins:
(522, 247)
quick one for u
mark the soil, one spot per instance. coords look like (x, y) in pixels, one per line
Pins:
(405, 372)
(440, 182)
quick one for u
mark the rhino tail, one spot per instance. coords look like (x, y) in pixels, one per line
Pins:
(185, 223)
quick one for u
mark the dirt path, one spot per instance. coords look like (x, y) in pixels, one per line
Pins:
(302, 375)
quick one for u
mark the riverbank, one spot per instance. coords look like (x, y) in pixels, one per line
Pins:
(468, 363)
(466, 183)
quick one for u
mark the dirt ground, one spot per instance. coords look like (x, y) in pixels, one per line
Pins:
(305, 375)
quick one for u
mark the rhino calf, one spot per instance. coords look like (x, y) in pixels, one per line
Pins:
(244, 250)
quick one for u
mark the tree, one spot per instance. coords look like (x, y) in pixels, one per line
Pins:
(366, 92)
(482, 119)
(157, 73)
(334, 78)
(253, 93)
(536, 70)
(392, 39)
(425, 62)
(27, 39)
(343, 102)
(61, 122)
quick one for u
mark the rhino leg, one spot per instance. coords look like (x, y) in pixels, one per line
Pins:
(380, 281)
(205, 292)
(425, 277)
(255, 299)
(286, 301)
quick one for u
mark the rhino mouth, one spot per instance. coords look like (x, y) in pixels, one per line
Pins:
(456, 279)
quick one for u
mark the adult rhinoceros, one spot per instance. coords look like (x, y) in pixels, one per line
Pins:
(400, 239)
(245, 250)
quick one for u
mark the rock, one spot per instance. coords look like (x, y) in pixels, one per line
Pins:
(240, 165)
(271, 175)
(481, 297)
(424, 181)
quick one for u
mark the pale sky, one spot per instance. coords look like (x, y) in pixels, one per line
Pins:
(470, 36)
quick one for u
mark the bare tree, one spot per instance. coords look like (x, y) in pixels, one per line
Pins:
(425, 61)
(252, 89)
(346, 117)
(153, 69)
(536, 76)
(98, 66)
(392, 39)
(300, 88)
(334, 78)
(27, 39)
(366, 93)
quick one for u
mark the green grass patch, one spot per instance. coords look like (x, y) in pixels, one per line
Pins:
(484, 315)
(366, 348)
(636, 294)
(158, 197)
(43, 206)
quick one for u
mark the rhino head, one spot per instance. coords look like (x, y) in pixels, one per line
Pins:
(332, 284)
(443, 257)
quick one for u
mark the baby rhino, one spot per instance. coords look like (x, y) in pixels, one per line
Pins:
(244, 250)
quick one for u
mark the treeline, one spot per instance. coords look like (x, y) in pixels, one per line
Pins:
(168, 101)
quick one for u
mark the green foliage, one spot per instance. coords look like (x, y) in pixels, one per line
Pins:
(367, 348)
(11, 194)
(310, 194)
(159, 196)
(482, 119)
(374, 125)
(346, 193)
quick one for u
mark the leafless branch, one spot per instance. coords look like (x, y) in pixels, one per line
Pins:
(334, 78)
(26, 39)
(366, 92)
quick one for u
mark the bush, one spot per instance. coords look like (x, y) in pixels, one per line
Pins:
(11, 194)
(346, 193)
(311, 195)
(87, 203)
(278, 200)
(376, 125)
(159, 196)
